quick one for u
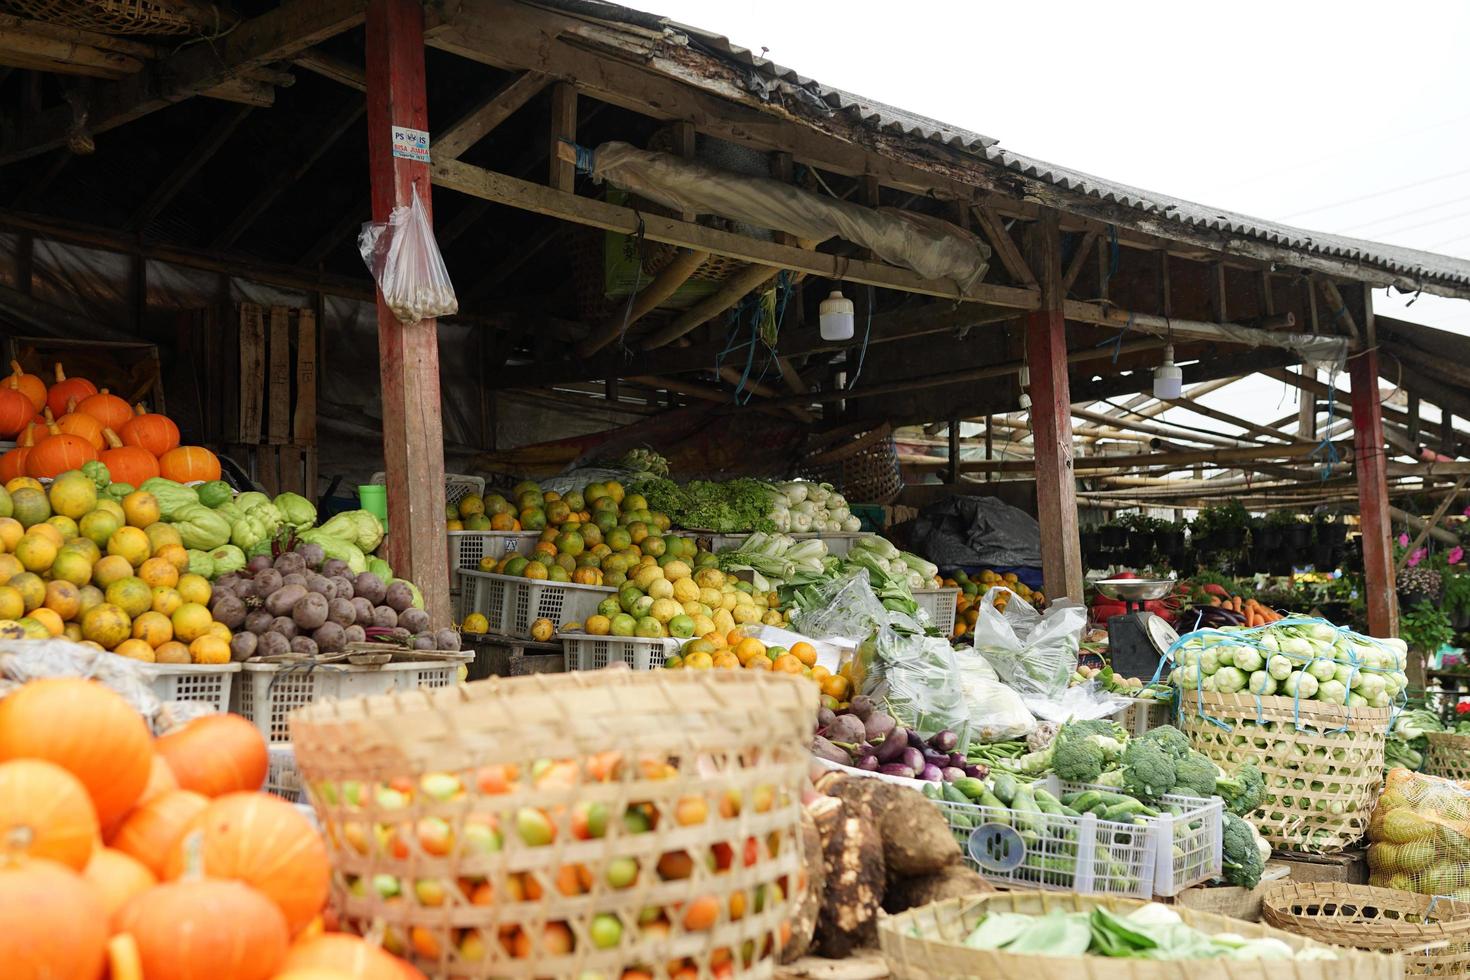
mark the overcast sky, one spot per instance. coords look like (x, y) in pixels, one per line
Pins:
(1347, 117)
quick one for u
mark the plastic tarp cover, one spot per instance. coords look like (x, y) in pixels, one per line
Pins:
(1035, 654)
(932, 247)
(976, 531)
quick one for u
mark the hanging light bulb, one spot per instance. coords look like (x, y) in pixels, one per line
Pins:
(1168, 377)
(835, 317)
(1025, 380)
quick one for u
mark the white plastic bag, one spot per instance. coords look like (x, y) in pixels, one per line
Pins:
(1034, 654)
(997, 713)
(404, 259)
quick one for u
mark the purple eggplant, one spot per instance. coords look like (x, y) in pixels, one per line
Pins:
(896, 769)
(916, 741)
(951, 773)
(913, 758)
(978, 772)
(892, 748)
(932, 774)
(862, 706)
(879, 724)
(933, 758)
(944, 741)
(958, 760)
(868, 763)
(824, 749)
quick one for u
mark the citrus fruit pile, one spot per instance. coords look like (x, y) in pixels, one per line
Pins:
(672, 599)
(735, 651)
(103, 572)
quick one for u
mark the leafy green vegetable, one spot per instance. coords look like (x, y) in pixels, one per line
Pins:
(730, 507)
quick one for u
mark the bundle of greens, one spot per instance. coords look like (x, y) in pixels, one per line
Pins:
(1152, 932)
(1407, 741)
(730, 507)
(776, 561)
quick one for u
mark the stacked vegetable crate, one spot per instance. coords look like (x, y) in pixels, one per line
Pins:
(586, 652)
(512, 604)
(939, 604)
(467, 548)
(1036, 844)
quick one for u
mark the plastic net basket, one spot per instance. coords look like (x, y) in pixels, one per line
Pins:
(456, 485)
(928, 942)
(559, 824)
(110, 16)
(281, 778)
(940, 605)
(587, 652)
(1448, 756)
(1432, 933)
(512, 604)
(206, 683)
(1322, 763)
(268, 693)
(864, 468)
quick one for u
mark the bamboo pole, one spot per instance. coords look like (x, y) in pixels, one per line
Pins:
(664, 285)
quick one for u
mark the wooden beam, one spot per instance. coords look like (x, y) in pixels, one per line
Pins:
(276, 35)
(1223, 458)
(1191, 405)
(330, 66)
(501, 189)
(731, 292)
(663, 285)
(413, 434)
(29, 49)
(1051, 419)
(1004, 246)
(168, 188)
(1079, 259)
(1157, 428)
(75, 35)
(1106, 315)
(563, 130)
(242, 90)
(1370, 458)
(1340, 313)
(476, 124)
(1429, 525)
(310, 150)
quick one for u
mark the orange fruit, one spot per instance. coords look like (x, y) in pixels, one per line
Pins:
(129, 543)
(176, 555)
(109, 569)
(31, 588)
(36, 551)
(10, 532)
(804, 652)
(48, 531)
(159, 571)
(749, 647)
(209, 649)
(131, 595)
(836, 686)
(107, 626)
(220, 630)
(141, 508)
(135, 650)
(194, 588)
(734, 637)
(49, 619)
(191, 621)
(172, 652)
(166, 600)
(10, 566)
(787, 664)
(153, 628)
(63, 598)
(758, 663)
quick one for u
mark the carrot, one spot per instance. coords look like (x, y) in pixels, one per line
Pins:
(1238, 604)
(1215, 600)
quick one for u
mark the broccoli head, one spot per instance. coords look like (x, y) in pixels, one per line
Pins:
(1242, 790)
(1195, 775)
(1148, 770)
(1174, 742)
(1081, 750)
(1240, 859)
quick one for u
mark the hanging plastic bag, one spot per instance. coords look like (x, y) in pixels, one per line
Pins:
(1035, 654)
(842, 608)
(917, 679)
(997, 713)
(404, 259)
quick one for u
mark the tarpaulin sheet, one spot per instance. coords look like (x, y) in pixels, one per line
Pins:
(976, 532)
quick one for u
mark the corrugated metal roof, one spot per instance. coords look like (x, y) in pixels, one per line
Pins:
(1412, 265)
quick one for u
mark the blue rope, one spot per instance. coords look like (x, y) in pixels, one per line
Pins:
(863, 352)
(1117, 341)
(1325, 449)
(586, 157)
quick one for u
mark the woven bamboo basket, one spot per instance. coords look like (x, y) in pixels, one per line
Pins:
(864, 469)
(1432, 934)
(927, 943)
(1330, 811)
(1448, 756)
(111, 16)
(567, 825)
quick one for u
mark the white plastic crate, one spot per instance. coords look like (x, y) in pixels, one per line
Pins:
(466, 548)
(586, 652)
(1143, 714)
(208, 683)
(268, 693)
(1092, 856)
(511, 604)
(456, 485)
(939, 604)
(283, 778)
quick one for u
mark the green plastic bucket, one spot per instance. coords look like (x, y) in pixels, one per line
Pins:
(373, 498)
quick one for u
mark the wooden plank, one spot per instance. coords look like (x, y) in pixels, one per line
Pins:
(289, 468)
(563, 128)
(268, 466)
(167, 189)
(74, 35)
(664, 285)
(1369, 459)
(501, 189)
(278, 391)
(330, 66)
(26, 49)
(252, 372)
(413, 431)
(303, 422)
(1051, 416)
(1079, 259)
(476, 124)
(1004, 246)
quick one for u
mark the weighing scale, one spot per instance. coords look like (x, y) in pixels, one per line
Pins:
(1137, 639)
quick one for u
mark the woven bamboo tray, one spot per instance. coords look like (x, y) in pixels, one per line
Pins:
(1331, 811)
(927, 943)
(569, 824)
(1433, 934)
(1448, 755)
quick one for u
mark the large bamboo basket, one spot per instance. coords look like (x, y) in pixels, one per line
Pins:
(1448, 755)
(450, 872)
(927, 943)
(1433, 934)
(117, 16)
(1331, 811)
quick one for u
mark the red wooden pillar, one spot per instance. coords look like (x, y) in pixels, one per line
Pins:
(1369, 463)
(413, 434)
(1051, 416)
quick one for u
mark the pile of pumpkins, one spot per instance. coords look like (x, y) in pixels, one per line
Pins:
(139, 858)
(70, 422)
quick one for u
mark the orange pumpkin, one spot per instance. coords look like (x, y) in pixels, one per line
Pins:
(127, 464)
(106, 408)
(45, 813)
(349, 955)
(265, 842)
(160, 780)
(150, 430)
(185, 464)
(86, 729)
(57, 453)
(117, 878)
(216, 754)
(205, 930)
(52, 923)
(65, 390)
(152, 831)
(81, 424)
(13, 463)
(15, 412)
(27, 384)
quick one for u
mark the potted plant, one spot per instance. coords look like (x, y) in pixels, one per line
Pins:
(1270, 533)
(1457, 596)
(1090, 540)
(1225, 524)
(1114, 535)
(1171, 537)
(1324, 557)
(1331, 532)
(1298, 532)
(1420, 584)
(1425, 629)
